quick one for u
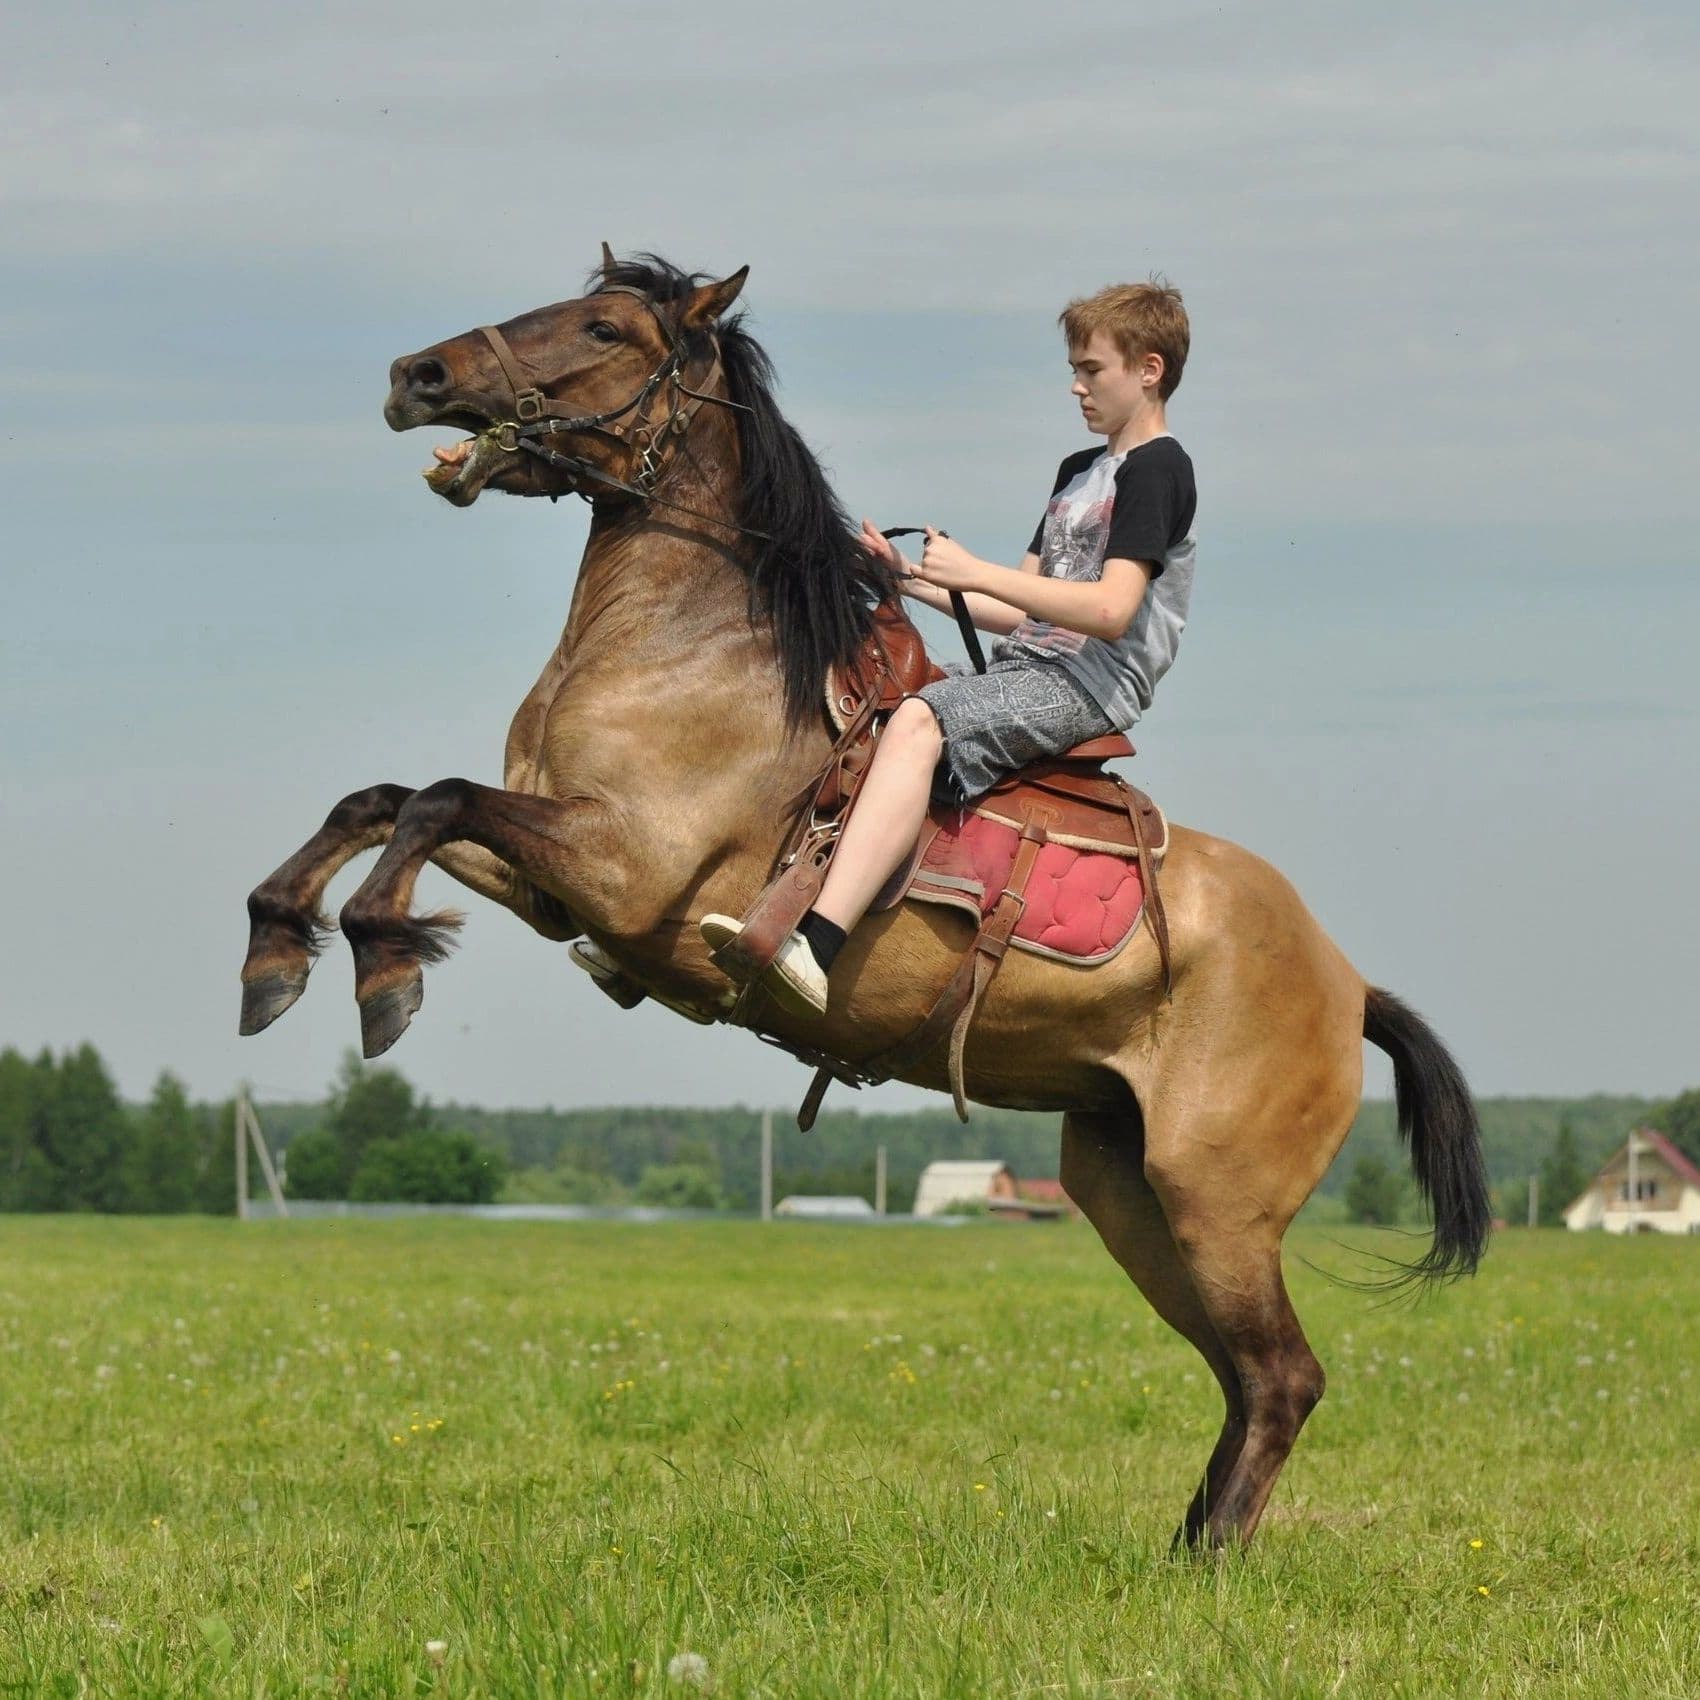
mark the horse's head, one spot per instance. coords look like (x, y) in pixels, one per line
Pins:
(560, 395)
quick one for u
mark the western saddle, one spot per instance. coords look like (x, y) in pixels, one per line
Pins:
(1068, 798)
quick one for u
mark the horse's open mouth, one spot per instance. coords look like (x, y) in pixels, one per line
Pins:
(463, 469)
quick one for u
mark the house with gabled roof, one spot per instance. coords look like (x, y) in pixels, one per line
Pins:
(1646, 1186)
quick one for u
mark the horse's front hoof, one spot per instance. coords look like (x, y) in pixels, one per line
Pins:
(265, 999)
(384, 1016)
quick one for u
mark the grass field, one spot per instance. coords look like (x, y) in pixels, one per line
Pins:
(294, 1458)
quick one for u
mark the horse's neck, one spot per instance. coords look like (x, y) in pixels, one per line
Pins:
(661, 682)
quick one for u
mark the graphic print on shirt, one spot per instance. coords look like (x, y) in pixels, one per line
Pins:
(1075, 535)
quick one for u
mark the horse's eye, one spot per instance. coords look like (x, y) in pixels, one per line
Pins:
(604, 332)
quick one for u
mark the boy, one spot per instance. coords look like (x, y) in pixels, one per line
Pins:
(1088, 623)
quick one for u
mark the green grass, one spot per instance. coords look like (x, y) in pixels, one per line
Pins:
(281, 1458)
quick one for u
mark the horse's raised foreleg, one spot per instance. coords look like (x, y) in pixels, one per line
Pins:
(529, 835)
(287, 928)
(1103, 1172)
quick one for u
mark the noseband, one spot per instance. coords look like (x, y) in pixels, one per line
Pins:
(536, 416)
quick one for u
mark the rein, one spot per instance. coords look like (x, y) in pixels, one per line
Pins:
(958, 602)
(537, 416)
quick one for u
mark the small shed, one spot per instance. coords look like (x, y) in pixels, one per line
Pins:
(971, 1182)
(826, 1206)
(1037, 1199)
(1646, 1186)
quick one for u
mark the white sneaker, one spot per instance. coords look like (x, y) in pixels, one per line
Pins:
(609, 976)
(593, 959)
(795, 981)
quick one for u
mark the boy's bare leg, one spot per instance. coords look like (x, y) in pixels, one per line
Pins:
(888, 816)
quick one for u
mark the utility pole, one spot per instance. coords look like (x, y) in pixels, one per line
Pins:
(879, 1180)
(1534, 1200)
(767, 1165)
(248, 1130)
(242, 1155)
(1634, 1182)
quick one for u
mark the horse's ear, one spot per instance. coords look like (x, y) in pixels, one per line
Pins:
(708, 303)
(608, 260)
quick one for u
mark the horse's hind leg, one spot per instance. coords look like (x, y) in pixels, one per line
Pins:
(1103, 1172)
(1240, 1285)
(1230, 1180)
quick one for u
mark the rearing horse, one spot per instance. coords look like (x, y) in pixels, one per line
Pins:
(654, 767)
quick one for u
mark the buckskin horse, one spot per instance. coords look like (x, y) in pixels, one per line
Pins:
(650, 774)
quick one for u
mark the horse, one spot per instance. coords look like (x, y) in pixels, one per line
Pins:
(652, 770)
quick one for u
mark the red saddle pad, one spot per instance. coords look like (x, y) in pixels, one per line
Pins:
(1082, 905)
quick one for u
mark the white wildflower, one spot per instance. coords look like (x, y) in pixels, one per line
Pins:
(689, 1667)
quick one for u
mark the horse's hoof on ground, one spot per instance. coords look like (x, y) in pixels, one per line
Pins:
(265, 999)
(385, 1015)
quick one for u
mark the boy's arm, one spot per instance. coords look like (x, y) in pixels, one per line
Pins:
(989, 613)
(1101, 608)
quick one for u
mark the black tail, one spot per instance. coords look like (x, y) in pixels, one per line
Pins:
(1437, 1120)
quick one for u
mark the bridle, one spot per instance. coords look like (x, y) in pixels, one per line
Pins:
(537, 416)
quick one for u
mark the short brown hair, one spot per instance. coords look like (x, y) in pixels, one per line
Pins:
(1141, 318)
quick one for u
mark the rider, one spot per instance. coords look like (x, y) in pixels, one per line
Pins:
(1087, 624)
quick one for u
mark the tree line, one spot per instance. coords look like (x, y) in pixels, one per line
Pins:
(68, 1142)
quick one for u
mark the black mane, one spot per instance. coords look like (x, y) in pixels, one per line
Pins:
(813, 581)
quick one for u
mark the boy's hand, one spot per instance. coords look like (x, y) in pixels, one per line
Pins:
(883, 549)
(946, 563)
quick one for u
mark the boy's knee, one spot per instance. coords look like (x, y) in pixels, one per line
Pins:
(914, 724)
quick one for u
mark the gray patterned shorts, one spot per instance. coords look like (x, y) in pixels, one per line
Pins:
(994, 722)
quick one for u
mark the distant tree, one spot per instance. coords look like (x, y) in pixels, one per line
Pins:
(26, 1176)
(679, 1186)
(563, 1184)
(428, 1167)
(368, 1105)
(164, 1153)
(313, 1166)
(83, 1131)
(1563, 1176)
(1679, 1121)
(215, 1171)
(1374, 1192)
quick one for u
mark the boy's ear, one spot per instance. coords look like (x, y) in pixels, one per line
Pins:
(708, 303)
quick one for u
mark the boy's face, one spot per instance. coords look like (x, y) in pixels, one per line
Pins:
(1110, 388)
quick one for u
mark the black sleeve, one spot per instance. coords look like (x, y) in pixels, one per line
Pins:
(1150, 511)
(1071, 465)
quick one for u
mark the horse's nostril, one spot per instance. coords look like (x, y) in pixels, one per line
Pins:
(426, 373)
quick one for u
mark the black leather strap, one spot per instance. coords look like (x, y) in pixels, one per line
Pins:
(958, 602)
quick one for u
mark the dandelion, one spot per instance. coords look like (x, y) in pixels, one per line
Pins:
(1486, 1593)
(979, 1487)
(398, 1440)
(1475, 1546)
(436, 1652)
(691, 1668)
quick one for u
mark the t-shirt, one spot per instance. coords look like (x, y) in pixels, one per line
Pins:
(1135, 506)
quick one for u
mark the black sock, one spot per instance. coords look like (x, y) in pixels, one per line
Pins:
(825, 938)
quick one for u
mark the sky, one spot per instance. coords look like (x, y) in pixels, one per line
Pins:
(1440, 267)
